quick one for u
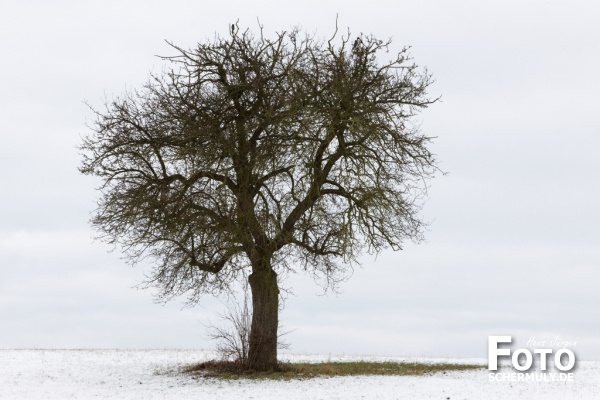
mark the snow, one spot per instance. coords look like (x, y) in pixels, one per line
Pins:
(155, 374)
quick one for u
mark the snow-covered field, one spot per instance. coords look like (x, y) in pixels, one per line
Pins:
(154, 374)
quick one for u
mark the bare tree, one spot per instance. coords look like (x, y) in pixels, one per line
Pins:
(262, 155)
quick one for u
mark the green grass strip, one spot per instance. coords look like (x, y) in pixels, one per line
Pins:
(327, 369)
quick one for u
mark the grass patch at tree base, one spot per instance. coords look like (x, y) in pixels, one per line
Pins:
(233, 370)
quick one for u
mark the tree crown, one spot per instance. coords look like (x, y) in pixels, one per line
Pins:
(289, 149)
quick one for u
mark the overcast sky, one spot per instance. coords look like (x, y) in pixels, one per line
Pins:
(513, 244)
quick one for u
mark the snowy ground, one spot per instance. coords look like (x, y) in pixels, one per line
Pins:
(153, 374)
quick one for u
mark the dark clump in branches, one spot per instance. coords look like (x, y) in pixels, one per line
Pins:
(259, 155)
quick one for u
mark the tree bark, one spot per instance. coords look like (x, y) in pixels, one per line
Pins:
(265, 319)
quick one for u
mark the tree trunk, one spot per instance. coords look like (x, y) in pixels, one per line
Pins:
(265, 309)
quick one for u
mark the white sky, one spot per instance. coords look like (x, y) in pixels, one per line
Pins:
(513, 244)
